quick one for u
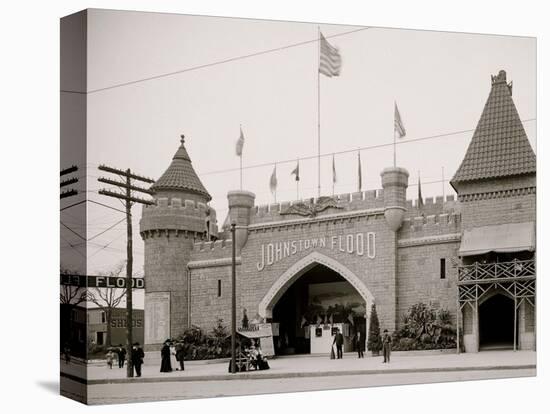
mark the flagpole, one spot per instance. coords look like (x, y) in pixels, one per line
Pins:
(443, 182)
(318, 112)
(333, 174)
(275, 185)
(298, 180)
(241, 159)
(394, 158)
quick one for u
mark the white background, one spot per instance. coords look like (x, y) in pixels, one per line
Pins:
(30, 165)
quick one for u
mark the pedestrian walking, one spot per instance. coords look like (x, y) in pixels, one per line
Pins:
(180, 354)
(67, 353)
(339, 341)
(121, 353)
(386, 346)
(165, 364)
(173, 359)
(110, 358)
(136, 357)
(359, 341)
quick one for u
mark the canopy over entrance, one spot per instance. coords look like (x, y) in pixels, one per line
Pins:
(500, 238)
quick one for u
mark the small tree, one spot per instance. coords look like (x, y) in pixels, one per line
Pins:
(107, 299)
(374, 343)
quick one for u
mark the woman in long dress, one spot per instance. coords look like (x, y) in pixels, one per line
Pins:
(173, 360)
(165, 364)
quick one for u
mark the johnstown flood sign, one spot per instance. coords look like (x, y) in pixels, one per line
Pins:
(360, 244)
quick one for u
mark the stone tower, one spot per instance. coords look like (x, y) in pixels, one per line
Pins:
(394, 182)
(169, 229)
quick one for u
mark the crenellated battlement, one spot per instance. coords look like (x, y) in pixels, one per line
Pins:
(211, 250)
(433, 206)
(363, 200)
(430, 225)
(174, 214)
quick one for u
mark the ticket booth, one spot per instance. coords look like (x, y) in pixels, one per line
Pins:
(322, 336)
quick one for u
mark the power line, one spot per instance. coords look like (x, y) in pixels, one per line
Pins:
(72, 231)
(219, 62)
(105, 205)
(107, 229)
(293, 160)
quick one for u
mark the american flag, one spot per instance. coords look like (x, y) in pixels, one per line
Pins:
(330, 61)
(398, 123)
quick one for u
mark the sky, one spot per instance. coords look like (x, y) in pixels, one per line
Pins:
(440, 82)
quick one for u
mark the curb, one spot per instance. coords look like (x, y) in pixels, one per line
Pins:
(258, 376)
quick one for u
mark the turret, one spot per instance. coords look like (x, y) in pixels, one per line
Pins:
(240, 203)
(395, 181)
(169, 229)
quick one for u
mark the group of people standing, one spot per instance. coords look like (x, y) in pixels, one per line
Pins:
(172, 352)
(359, 342)
(120, 353)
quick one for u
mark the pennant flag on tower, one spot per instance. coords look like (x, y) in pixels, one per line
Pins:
(331, 320)
(420, 203)
(240, 144)
(296, 171)
(304, 322)
(319, 320)
(333, 170)
(359, 174)
(330, 61)
(398, 123)
(273, 180)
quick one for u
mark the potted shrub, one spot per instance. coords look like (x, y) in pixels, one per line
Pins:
(374, 343)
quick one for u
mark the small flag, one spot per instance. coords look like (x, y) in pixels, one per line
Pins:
(326, 321)
(296, 171)
(240, 144)
(331, 320)
(333, 170)
(273, 180)
(350, 319)
(304, 322)
(359, 174)
(330, 61)
(398, 123)
(420, 203)
(319, 320)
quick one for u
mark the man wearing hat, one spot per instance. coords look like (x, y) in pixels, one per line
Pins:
(339, 341)
(136, 357)
(121, 353)
(386, 346)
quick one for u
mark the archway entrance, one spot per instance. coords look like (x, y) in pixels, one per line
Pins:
(318, 294)
(496, 323)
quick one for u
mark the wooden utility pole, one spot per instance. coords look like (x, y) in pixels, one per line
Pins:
(129, 201)
(233, 301)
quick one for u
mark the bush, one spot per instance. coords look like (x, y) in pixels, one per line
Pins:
(425, 328)
(198, 345)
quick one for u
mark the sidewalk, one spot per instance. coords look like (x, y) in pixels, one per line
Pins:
(309, 366)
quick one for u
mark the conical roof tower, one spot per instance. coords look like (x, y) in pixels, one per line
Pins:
(181, 176)
(499, 147)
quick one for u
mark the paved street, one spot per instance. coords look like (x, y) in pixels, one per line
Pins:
(141, 392)
(303, 373)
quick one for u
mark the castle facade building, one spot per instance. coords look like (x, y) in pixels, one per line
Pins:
(472, 254)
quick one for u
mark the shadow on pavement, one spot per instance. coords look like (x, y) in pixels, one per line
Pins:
(51, 386)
